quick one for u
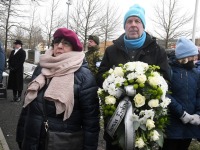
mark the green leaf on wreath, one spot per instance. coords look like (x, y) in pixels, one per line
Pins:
(161, 138)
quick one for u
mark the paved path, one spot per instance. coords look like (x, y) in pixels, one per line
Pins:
(9, 114)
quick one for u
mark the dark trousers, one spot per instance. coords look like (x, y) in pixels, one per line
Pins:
(109, 146)
(17, 93)
(176, 144)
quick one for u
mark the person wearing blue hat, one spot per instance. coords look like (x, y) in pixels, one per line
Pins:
(16, 66)
(133, 45)
(184, 109)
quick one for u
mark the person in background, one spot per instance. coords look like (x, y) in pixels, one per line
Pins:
(16, 66)
(64, 83)
(134, 45)
(184, 109)
(93, 54)
(197, 63)
(2, 62)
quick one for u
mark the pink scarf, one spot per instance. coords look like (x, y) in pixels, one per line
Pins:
(60, 70)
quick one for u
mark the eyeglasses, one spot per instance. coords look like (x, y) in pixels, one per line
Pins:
(65, 43)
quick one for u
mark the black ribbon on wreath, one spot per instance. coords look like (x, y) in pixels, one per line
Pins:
(124, 110)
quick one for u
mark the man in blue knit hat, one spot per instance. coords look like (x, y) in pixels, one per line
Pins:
(134, 45)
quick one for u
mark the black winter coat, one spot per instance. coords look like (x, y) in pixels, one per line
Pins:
(85, 115)
(16, 66)
(150, 53)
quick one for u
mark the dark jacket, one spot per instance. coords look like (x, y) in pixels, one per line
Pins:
(150, 53)
(185, 88)
(93, 57)
(85, 115)
(198, 65)
(16, 66)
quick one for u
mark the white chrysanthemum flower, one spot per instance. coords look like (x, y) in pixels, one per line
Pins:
(130, 66)
(99, 91)
(163, 84)
(109, 100)
(131, 76)
(119, 80)
(110, 78)
(139, 143)
(155, 74)
(105, 85)
(110, 71)
(164, 112)
(112, 89)
(144, 65)
(165, 102)
(141, 67)
(154, 135)
(118, 71)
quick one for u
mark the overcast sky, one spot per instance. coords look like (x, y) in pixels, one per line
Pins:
(187, 5)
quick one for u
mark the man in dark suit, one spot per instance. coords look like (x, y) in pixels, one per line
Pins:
(16, 66)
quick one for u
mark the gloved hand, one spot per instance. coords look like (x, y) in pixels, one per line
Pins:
(186, 118)
(195, 120)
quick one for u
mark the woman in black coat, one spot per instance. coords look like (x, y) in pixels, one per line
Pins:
(68, 89)
(16, 66)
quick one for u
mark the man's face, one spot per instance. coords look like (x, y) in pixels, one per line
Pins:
(17, 46)
(91, 43)
(133, 28)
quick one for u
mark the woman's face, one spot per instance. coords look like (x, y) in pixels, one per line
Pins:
(61, 46)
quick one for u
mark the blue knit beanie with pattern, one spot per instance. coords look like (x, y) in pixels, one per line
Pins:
(185, 48)
(137, 11)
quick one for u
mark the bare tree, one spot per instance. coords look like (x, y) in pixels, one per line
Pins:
(85, 18)
(110, 23)
(171, 20)
(30, 29)
(55, 21)
(11, 11)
